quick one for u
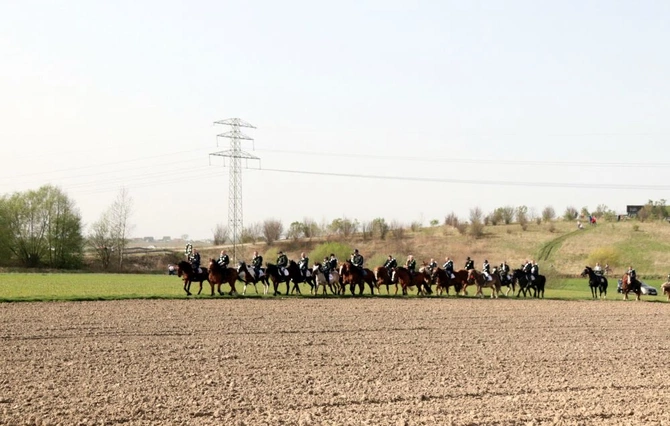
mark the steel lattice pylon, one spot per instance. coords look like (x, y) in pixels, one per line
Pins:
(235, 154)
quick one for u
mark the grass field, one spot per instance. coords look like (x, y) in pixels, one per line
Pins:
(74, 287)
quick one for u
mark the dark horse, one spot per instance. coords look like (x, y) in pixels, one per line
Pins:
(186, 273)
(526, 285)
(628, 285)
(248, 276)
(220, 275)
(350, 274)
(296, 276)
(596, 282)
(443, 281)
(420, 279)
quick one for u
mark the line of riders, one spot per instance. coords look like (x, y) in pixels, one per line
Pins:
(529, 268)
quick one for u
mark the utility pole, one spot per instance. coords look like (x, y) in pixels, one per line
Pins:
(235, 155)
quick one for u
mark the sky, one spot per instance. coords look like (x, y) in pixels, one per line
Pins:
(363, 109)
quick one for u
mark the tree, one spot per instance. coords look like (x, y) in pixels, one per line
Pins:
(272, 230)
(221, 234)
(310, 228)
(522, 216)
(380, 227)
(548, 214)
(100, 240)
(476, 225)
(508, 214)
(434, 222)
(570, 213)
(42, 227)
(294, 230)
(119, 224)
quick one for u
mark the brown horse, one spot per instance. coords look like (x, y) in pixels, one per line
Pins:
(665, 288)
(219, 275)
(628, 286)
(382, 277)
(350, 274)
(420, 279)
(480, 280)
(443, 281)
(186, 273)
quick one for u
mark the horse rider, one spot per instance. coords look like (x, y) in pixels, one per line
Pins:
(257, 263)
(411, 265)
(526, 267)
(486, 270)
(303, 264)
(432, 265)
(194, 258)
(448, 266)
(632, 275)
(332, 263)
(223, 260)
(597, 269)
(504, 271)
(357, 260)
(469, 264)
(282, 262)
(390, 264)
(325, 269)
(534, 271)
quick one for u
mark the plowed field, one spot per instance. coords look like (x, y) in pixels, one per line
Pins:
(306, 361)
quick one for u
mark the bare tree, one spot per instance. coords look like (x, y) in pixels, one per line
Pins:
(100, 240)
(221, 233)
(272, 230)
(476, 225)
(120, 228)
(548, 214)
(366, 230)
(310, 228)
(397, 230)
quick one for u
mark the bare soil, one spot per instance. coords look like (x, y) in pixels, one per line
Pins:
(334, 362)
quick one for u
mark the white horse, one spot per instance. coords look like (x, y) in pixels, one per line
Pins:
(320, 279)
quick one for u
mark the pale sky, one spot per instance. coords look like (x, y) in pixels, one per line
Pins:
(99, 95)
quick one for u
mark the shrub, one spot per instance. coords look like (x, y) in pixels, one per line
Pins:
(538, 220)
(570, 214)
(415, 226)
(548, 214)
(462, 228)
(507, 214)
(342, 251)
(272, 229)
(380, 228)
(434, 222)
(552, 228)
(451, 220)
(397, 231)
(476, 224)
(636, 227)
(604, 255)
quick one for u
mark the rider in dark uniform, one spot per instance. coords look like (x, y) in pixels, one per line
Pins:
(432, 265)
(486, 269)
(469, 264)
(303, 264)
(504, 272)
(632, 274)
(325, 269)
(195, 261)
(257, 263)
(535, 270)
(526, 270)
(282, 262)
(448, 266)
(224, 260)
(357, 260)
(333, 262)
(411, 265)
(390, 264)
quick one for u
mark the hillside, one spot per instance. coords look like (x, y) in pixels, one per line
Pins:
(558, 247)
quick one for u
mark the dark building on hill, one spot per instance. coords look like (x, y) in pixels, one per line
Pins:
(631, 211)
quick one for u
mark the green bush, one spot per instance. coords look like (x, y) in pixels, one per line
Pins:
(604, 255)
(342, 251)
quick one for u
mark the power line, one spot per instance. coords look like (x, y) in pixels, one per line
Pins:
(452, 160)
(478, 182)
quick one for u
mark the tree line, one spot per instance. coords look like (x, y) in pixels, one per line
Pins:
(43, 229)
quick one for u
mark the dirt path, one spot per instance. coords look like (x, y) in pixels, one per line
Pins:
(334, 362)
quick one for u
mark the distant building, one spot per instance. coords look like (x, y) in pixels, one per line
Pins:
(166, 238)
(149, 239)
(632, 211)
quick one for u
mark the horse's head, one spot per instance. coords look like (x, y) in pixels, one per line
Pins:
(587, 271)
(183, 267)
(241, 266)
(316, 267)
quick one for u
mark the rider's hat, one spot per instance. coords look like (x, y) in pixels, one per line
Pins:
(355, 250)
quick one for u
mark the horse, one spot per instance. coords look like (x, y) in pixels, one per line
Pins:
(296, 276)
(596, 282)
(443, 281)
(628, 285)
(216, 276)
(519, 277)
(350, 274)
(505, 281)
(382, 277)
(320, 280)
(272, 273)
(186, 273)
(405, 279)
(665, 288)
(480, 280)
(248, 276)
